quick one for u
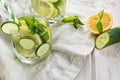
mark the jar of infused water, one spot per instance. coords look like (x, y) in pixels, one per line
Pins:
(53, 10)
(31, 40)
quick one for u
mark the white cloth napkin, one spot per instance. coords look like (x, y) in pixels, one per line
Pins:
(69, 49)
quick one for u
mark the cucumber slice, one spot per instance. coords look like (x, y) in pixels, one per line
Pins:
(42, 49)
(9, 27)
(108, 38)
(27, 43)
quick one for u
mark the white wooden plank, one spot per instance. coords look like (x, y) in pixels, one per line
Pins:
(108, 63)
(108, 59)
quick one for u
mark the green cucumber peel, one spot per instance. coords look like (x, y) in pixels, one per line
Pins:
(111, 37)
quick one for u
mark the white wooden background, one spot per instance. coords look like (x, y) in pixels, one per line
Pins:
(106, 62)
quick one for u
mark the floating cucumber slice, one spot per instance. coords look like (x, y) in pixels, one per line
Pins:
(9, 27)
(27, 43)
(108, 38)
(42, 49)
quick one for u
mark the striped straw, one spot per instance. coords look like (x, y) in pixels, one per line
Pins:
(10, 11)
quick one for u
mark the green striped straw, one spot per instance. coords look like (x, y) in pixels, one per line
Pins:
(7, 8)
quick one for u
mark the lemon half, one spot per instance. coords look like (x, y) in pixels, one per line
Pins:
(107, 22)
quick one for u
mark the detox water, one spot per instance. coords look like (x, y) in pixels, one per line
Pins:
(31, 47)
(53, 10)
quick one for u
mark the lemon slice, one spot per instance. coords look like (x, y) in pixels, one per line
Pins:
(23, 25)
(23, 28)
(107, 22)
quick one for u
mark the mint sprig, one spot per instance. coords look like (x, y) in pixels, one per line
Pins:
(74, 20)
(99, 24)
(34, 25)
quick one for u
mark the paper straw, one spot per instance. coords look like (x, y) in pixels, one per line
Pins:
(7, 8)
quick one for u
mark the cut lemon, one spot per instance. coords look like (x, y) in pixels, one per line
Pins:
(23, 28)
(23, 25)
(44, 8)
(107, 22)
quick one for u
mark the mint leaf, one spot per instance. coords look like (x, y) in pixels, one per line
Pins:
(100, 14)
(35, 27)
(75, 24)
(69, 19)
(74, 20)
(30, 23)
(39, 27)
(45, 36)
(95, 19)
(32, 31)
(99, 27)
(99, 24)
(78, 20)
